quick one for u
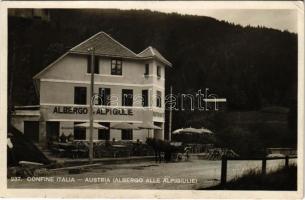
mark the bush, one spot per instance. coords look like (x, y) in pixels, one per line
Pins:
(281, 179)
(241, 141)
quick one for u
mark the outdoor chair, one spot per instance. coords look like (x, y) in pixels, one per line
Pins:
(80, 149)
(75, 153)
(99, 150)
(107, 153)
(58, 152)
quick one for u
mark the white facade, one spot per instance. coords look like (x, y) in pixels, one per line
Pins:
(56, 87)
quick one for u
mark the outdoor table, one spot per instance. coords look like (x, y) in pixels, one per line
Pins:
(67, 149)
(63, 144)
(119, 146)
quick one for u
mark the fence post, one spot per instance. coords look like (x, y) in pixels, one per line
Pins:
(264, 166)
(286, 161)
(223, 179)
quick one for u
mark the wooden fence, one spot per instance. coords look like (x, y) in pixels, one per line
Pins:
(224, 165)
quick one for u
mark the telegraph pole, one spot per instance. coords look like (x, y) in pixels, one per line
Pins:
(170, 116)
(91, 106)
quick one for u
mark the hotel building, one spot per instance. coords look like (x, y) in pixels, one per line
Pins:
(129, 87)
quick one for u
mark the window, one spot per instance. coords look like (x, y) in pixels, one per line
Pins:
(116, 67)
(144, 98)
(79, 132)
(96, 65)
(158, 71)
(127, 134)
(146, 69)
(104, 96)
(127, 97)
(104, 134)
(159, 99)
(80, 95)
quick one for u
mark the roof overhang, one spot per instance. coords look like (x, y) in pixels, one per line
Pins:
(30, 113)
(167, 63)
(37, 76)
(132, 56)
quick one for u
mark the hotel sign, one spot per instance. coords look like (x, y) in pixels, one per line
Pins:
(75, 110)
(158, 114)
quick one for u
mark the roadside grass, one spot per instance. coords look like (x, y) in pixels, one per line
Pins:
(280, 179)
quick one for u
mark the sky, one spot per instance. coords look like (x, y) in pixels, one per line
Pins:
(281, 15)
(284, 19)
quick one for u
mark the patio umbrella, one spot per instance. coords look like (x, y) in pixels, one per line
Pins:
(191, 130)
(177, 131)
(149, 126)
(205, 130)
(87, 125)
(124, 126)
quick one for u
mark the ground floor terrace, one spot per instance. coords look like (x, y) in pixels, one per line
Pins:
(46, 124)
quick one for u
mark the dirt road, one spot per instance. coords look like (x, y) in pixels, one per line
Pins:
(188, 175)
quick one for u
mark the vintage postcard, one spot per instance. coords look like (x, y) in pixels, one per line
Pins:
(152, 99)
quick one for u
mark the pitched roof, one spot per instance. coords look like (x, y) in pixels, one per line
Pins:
(104, 44)
(152, 52)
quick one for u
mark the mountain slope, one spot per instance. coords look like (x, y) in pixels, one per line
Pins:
(250, 66)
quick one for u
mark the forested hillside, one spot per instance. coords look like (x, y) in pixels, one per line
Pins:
(252, 67)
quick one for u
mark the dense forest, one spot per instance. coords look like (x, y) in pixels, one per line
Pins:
(253, 67)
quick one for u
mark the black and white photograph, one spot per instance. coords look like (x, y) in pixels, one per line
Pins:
(140, 97)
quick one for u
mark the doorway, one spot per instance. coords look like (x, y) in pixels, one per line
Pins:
(31, 130)
(52, 131)
(158, 134)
